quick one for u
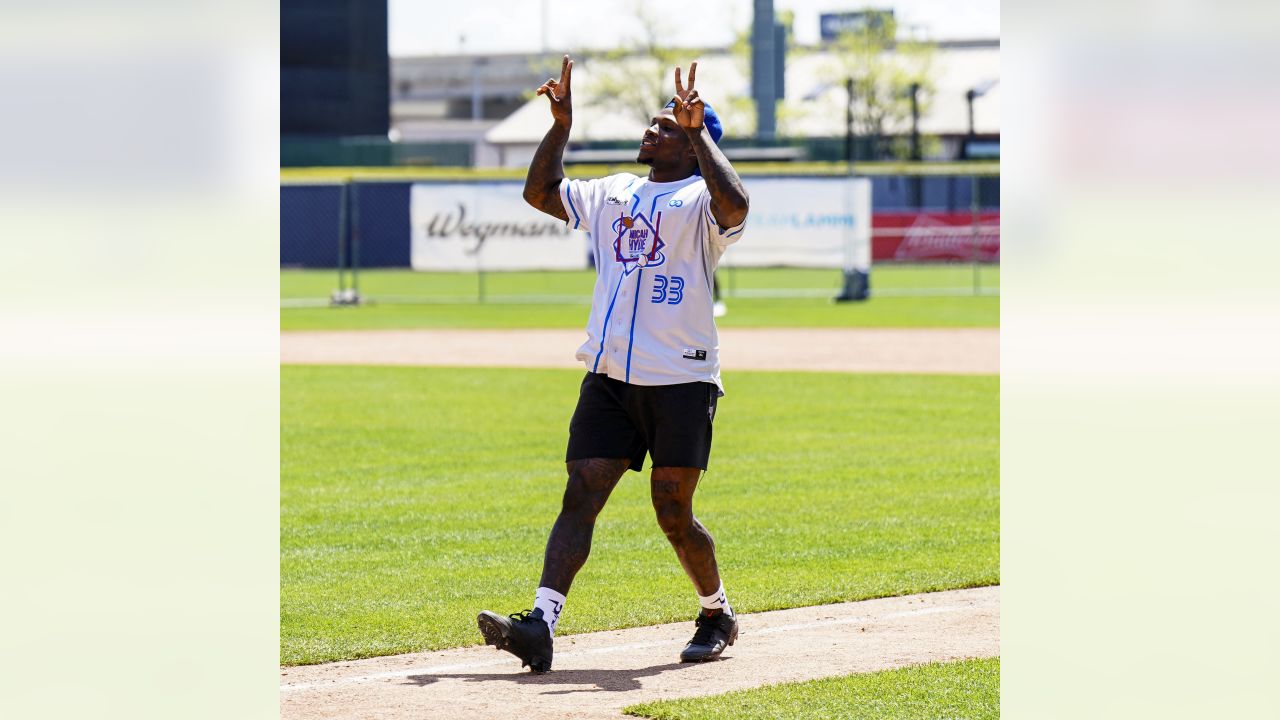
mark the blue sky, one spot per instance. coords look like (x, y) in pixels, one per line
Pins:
(430, 27)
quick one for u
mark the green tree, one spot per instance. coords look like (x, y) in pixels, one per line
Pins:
(636, 79)
(883, 69)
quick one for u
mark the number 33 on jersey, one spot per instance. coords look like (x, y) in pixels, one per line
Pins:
(656, 248)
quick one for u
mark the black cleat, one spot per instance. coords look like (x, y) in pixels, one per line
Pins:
(523, 634)
(714, 634)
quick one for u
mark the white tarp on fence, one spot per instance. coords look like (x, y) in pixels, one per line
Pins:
(487, 226)
(806, 222)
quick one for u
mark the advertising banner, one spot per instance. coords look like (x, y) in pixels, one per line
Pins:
(806, 222)
(911, 236)
(487, 226)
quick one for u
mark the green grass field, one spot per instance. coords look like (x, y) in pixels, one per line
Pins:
(406, 299)
(964, 690)
(411, 498)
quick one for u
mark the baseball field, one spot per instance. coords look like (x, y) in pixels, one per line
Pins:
(412, 497)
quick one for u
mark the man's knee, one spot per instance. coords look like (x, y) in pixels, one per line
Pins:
(674, 517)
(589, 485)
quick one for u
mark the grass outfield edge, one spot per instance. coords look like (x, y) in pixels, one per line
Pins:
(706, 705)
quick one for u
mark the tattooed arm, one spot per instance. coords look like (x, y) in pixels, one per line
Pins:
(542, 184)
(729, 199)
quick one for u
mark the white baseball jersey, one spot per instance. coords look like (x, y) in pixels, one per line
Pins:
(656, 250)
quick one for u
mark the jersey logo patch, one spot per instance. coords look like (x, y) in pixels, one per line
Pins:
(675, 203)
(639, 242)
(694, 354)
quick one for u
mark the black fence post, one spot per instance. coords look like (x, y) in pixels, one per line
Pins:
(974, 209)
(355, 244)
(343, 229)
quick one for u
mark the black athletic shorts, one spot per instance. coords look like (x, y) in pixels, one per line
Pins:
(671, 423)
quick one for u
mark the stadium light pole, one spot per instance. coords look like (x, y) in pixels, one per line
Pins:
(848, 124)
(975, 207)
(973, 94)
(915, 122)
(765, 83)
(970, 96)
(857, 284)
(917, 182)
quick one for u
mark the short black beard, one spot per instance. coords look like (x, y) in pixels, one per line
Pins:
(645, 161)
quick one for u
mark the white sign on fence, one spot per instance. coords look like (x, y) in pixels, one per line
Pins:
(487, 226)
(806, 222)
(794, 222)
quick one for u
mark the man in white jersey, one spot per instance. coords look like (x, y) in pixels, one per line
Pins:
(652, 353)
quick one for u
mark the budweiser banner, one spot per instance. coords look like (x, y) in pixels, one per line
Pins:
(922, 236)
(487, 226)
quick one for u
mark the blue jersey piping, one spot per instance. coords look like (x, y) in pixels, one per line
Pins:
(604, 331)
(635, 307)
(568, 195)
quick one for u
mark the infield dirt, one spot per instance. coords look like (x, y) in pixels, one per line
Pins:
(595, 675)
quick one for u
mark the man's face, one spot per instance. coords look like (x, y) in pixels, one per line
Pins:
(664, 144)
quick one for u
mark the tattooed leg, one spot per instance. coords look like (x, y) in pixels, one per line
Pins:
(590, 482)
(672, 490)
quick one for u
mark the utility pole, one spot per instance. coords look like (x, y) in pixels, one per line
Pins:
(857, 283)
(848, 124)
(975, 186)
(915, 122)
(917, 182)
(764, 86)
(970, 95)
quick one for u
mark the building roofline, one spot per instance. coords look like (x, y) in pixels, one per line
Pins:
(954, 43)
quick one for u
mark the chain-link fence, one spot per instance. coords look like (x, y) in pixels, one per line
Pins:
(315, 247)
(347, 242)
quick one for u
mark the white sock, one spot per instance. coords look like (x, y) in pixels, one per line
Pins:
(551, 603)
(716, 601)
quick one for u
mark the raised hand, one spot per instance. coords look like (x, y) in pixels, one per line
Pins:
(559, 91)
(688, 106)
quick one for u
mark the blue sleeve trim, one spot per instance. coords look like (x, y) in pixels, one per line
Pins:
(719, 231)
(568, 196)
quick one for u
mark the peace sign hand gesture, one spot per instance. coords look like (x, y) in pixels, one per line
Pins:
(688, 106)
(558, 92)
